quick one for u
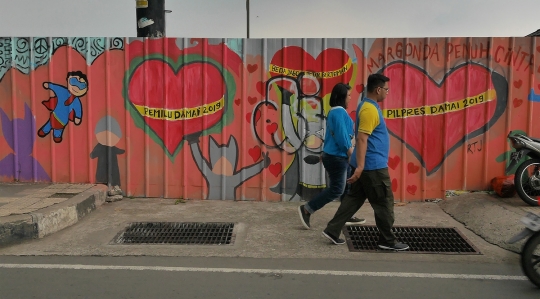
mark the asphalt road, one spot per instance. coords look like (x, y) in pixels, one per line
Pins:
(191, 277)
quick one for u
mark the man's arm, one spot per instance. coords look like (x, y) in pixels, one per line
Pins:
(361, 149)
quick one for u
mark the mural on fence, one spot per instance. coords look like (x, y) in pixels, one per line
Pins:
(64, 104)
(108, 134)
(245, 119)
(19, 135)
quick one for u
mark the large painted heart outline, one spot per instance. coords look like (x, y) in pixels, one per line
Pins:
(176, 129)
(434, 157)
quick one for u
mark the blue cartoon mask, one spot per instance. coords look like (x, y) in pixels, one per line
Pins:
(73, 81)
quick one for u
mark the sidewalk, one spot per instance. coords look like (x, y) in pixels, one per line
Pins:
(265, 229)
(493, 218)
(29, 211)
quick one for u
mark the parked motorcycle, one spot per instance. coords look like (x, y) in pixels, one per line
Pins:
(527, 176)
(530, 254)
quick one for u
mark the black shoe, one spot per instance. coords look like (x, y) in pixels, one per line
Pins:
(355, 221)
(396, 247)
(334, 240)
(304, 216)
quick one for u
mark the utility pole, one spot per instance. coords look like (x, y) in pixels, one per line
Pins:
(247, 10)
(150, 18)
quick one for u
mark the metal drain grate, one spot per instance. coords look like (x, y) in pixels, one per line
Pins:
(420, 239)
(194, 233)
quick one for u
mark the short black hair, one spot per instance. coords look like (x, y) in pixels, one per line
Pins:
(376, 80)
(78, 74)
(339, 95)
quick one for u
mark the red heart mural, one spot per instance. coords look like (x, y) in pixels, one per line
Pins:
(394, 185)
(332, 66)
(184, 99)
(412, 189)
(255, 153)
(469, 90)
(272, 128)
(275, 169)
(352, 115)
(252, 68)
(260, 87)
(393, 162)
(412, 168)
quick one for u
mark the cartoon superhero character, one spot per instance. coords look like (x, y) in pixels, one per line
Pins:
(64, 104)
(303, 129)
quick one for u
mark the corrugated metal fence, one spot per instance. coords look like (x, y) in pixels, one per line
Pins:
(244, 119)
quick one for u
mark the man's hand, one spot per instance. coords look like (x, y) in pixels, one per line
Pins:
(361, 147)
(77, 121)
(355, 176)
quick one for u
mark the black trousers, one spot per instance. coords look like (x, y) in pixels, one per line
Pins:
(375, 186)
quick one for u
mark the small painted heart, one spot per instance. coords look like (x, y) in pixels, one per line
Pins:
(272, 128)
(275, 169)
(252, 68)
(394, 162)
(260, 87)
(255, 153)
(352, 115)
(394, 185)
(412, 189)
(257, 116)
(412, 168)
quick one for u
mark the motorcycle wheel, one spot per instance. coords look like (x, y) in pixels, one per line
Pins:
(521, 181)
(530, 259)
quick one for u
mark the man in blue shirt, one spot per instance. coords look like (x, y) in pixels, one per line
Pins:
(370, 179)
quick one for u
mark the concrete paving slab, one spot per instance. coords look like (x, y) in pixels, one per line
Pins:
(493, 218)
(37, 213)
(19, 189)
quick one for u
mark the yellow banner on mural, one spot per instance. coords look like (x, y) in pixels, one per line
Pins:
(320, 75)
(446, 107)
(181, 114)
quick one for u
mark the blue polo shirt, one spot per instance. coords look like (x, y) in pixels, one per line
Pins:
(370, 120)
(339, 132)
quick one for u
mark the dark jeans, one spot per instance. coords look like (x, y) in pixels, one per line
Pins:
(375, 186)
(336, 167)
